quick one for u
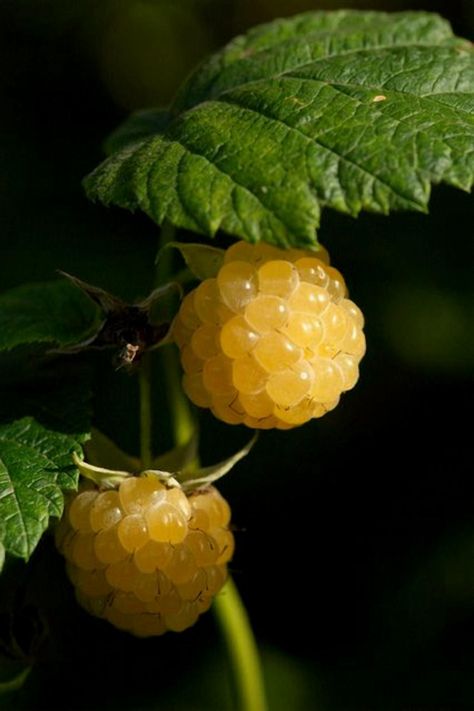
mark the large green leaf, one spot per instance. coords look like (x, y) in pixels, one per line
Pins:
(54, 312)
(35, 466)
(348, 110)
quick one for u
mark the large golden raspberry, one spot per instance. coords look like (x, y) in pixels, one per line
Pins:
(273, 340)
(146, 557)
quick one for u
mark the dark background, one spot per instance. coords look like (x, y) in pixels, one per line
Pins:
(356, 533)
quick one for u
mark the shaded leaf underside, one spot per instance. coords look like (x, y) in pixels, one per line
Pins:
(54, 312)
(348, 110)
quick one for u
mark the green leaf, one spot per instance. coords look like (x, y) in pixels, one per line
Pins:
(36, 462)
(53, 312)
(161, 305)
(2, 547)
(348, 110)
(201, 259)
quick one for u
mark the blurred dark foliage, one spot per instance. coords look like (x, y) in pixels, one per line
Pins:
(356, 534)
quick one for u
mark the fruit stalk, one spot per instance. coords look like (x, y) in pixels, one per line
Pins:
(182, 421)
(241, 647)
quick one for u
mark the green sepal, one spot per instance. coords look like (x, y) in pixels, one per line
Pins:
(202, 260)
(102, 477)
(187, 476)
(204, 476)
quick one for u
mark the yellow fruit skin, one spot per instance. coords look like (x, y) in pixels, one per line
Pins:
(143, 574)
(272, 341)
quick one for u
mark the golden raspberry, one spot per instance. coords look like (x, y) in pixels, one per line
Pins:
(146, 557)
(273, 340)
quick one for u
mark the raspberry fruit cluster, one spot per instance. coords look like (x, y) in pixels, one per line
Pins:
(272, 341)
(146, 557)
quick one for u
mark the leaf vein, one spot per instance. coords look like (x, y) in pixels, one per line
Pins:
(356, 85)
(232, 178)
(338, 156)
(18, 516)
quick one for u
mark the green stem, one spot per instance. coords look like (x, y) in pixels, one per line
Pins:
(182, 418)
(241, 648)
(165, 261)
(144, 377)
